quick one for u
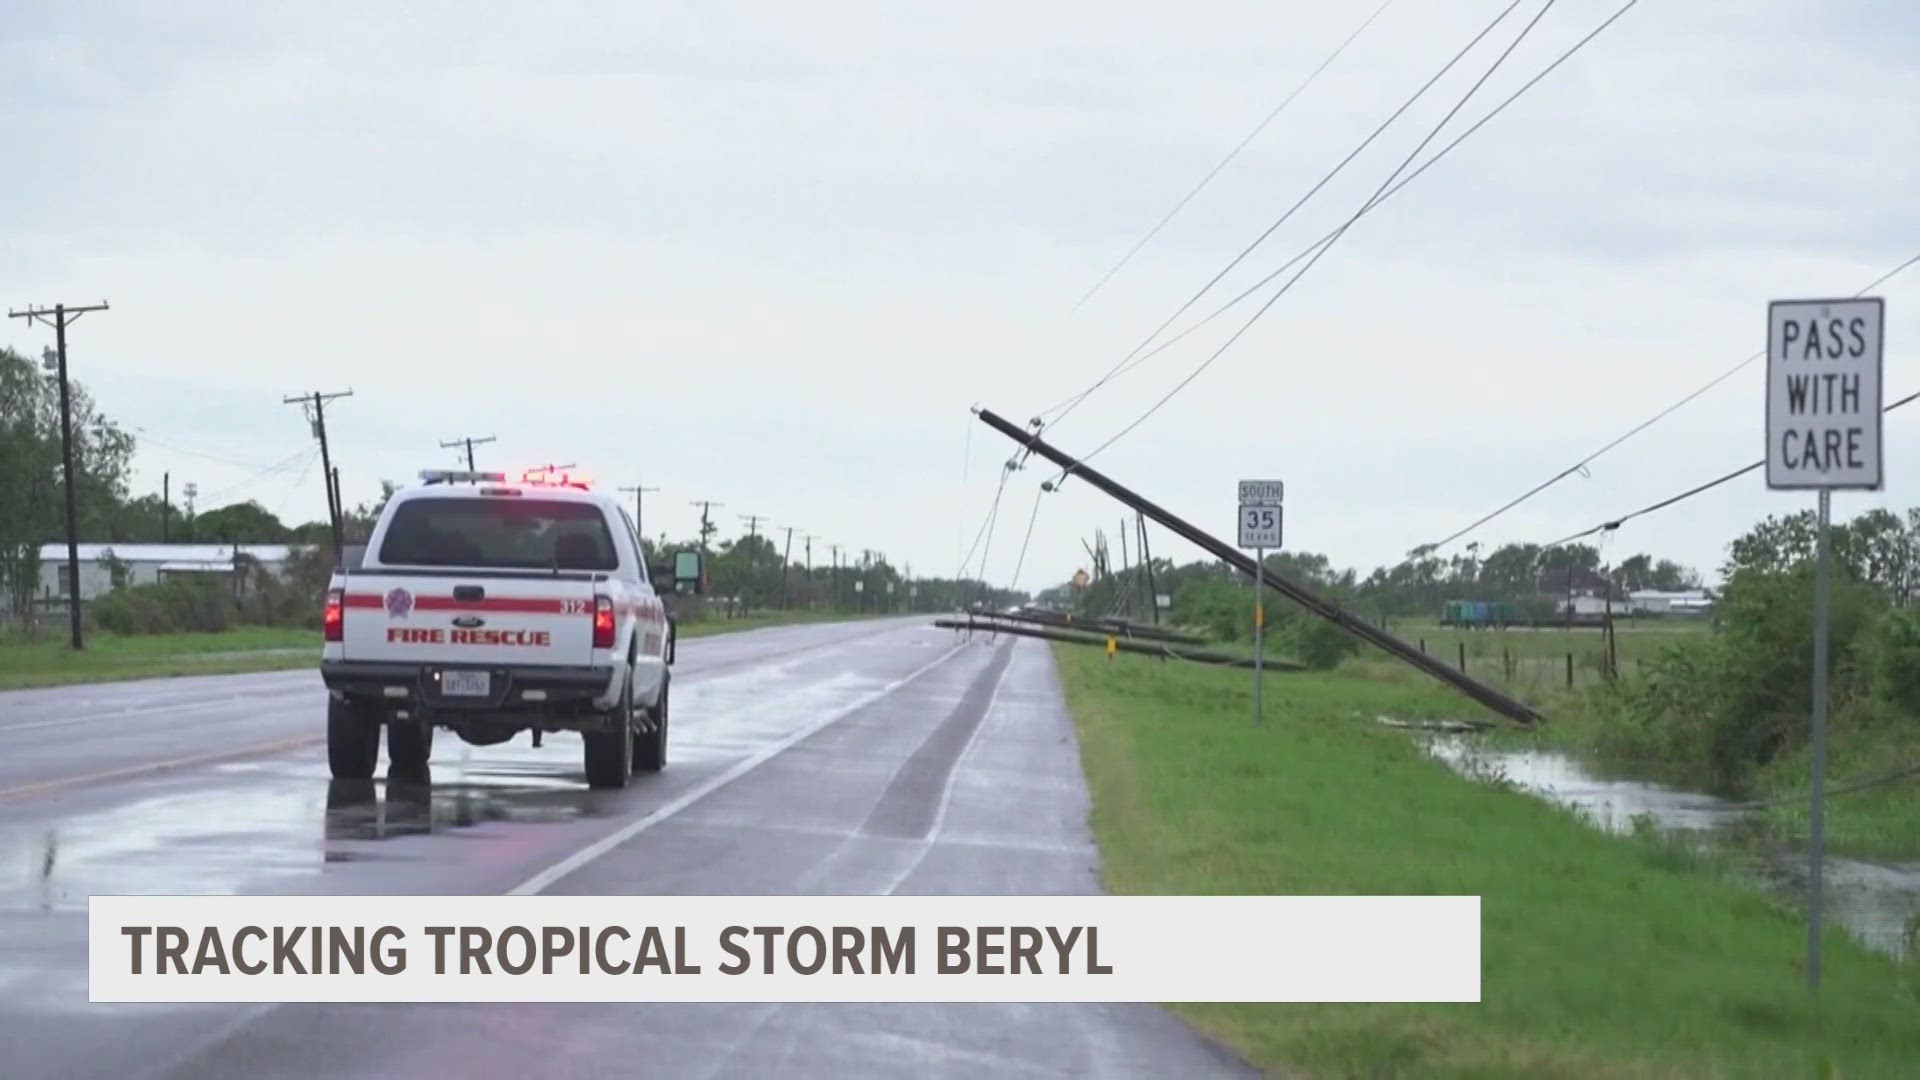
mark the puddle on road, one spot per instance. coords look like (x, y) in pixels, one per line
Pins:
(241, 826)
(1875, 902)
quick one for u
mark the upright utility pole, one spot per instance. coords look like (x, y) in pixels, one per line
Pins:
(469, 443)
(317, 401)
(836, 574)
(639, 525)
(166, 503)
(61, 316)
(786, 560)
(810, 538)
(753, 533)
(706, 526)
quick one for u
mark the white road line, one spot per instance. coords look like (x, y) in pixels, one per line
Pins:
(585, 855)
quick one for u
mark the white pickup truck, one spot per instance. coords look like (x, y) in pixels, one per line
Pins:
(491, 607)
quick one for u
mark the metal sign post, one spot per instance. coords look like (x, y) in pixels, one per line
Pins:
(1823, 432)
(1260, 517)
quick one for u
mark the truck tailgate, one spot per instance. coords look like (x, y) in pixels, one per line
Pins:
(489, 620)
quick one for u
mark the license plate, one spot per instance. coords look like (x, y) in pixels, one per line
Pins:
(466, 683)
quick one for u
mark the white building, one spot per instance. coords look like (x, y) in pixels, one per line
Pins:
(1683, 602)
(147, 564)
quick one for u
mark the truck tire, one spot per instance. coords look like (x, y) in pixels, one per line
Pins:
(353, 739)
(409, 747)
(609, 753)
(650, 749)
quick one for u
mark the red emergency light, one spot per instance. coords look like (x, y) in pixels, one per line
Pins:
(554, 478)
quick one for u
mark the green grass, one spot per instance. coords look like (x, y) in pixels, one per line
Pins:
(1604, 956)
(1877, 822)
(109, 657)
(112, 657)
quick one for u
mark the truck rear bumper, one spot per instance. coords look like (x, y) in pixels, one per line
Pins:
(512, 689)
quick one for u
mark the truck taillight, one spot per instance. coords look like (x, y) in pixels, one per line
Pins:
(331, 620)
(602, 622)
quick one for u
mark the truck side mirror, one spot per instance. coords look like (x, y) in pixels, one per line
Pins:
(689, 575)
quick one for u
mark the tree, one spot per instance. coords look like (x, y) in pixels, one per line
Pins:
(31, 472)
(245, 523)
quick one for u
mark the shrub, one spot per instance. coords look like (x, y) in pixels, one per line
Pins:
(1890, 661)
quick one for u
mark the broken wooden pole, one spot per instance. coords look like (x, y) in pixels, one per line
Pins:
(1117, 644)
(1121, 627)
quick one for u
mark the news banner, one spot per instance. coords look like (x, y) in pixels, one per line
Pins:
(784, 948)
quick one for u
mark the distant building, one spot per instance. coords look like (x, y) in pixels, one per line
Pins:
(1681, 602)
(149, 563)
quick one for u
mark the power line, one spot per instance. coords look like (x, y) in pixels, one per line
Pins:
(1328, 238)
(1224, 162)
(1014, 585)
(1580, 465)
(1283, 218)
(1609, 526)
(281, 466)
(147, 436)
(1290, 282)
(1006, 473)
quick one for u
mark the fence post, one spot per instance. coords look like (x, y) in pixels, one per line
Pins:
(1506, 662)
(1463, 654)
(1423, 646)
(1569, 669)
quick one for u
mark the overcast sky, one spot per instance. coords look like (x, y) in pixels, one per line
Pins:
(770, 254)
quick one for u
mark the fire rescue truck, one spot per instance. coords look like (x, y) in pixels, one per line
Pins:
(490, 607)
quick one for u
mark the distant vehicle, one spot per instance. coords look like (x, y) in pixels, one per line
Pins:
(1473, 613)
(491, 607)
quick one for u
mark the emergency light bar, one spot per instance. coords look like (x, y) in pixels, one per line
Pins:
(457, 476)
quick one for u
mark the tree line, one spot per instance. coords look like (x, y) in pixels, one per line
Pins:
(748, 570)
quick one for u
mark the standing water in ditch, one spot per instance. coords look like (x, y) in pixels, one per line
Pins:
(1875, 902)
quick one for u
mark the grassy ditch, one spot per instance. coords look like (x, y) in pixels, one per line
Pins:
(109, 657)
(1604, 956)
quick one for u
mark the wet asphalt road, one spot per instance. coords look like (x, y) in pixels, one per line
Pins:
(854, 758)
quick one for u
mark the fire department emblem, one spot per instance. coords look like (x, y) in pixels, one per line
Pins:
(399, 603)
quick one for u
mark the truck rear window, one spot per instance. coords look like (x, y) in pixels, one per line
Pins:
(507, 534)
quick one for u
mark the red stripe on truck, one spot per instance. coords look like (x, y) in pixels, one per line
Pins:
(520, 604)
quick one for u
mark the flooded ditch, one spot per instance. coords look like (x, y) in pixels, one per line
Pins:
(1876, 902)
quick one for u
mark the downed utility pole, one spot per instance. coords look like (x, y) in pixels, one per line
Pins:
(1116, 627)
(1145, 648)
(1326, 609)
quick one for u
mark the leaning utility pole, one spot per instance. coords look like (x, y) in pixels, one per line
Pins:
(1329, 610)
(61, 316)
(639, 526)
(469, 443)
(318, 403)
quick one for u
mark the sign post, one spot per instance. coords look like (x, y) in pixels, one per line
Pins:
(1260, 515)
(1823, 432)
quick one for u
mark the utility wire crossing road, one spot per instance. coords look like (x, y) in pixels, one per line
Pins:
(855, 758)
